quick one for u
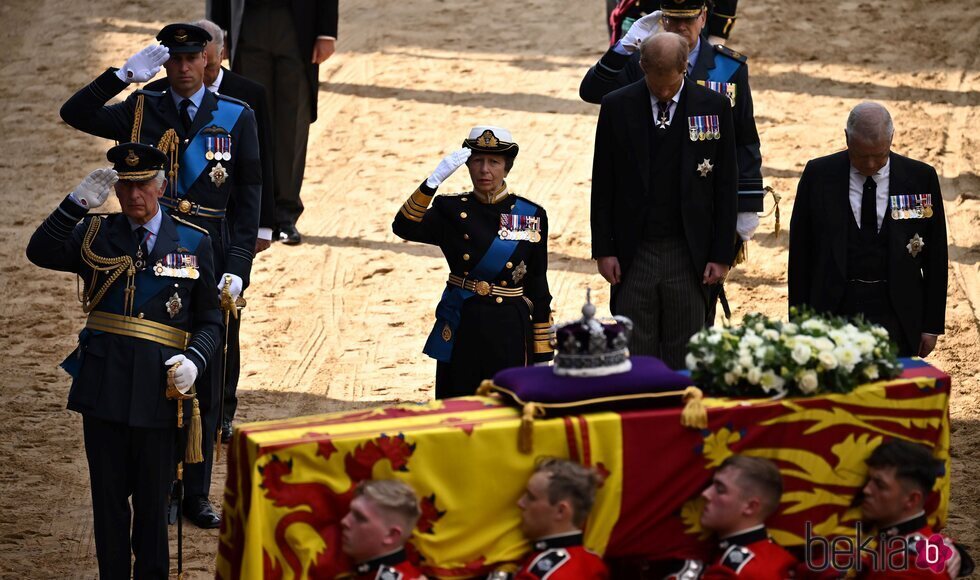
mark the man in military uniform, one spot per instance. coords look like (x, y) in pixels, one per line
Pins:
(714, 66)
(496, 310)
(214, 172)
(382, 516)
(720, 19)
(555, 505)
(149, 293)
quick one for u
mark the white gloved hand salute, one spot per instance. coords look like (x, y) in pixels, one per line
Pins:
(642, 28)
(185, 374)
(447, 166)
(144, 65)
(94, 189)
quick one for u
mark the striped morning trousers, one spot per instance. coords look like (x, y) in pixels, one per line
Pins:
(663, 296)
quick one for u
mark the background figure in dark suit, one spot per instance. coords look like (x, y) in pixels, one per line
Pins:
(218, 79)
(119, 369)
(868, 236)
(217, 186)
(280, 44)
(663, 199)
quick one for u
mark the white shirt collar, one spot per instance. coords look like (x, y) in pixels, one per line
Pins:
(882, 173)
(153, 226)
(213, 87)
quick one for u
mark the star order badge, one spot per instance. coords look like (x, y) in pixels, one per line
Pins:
(173, 305)
(519, 272)
(705, 167)
(218, 174)
(915, 245)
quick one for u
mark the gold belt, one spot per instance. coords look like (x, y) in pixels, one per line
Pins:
(484, 288)
(138, 328)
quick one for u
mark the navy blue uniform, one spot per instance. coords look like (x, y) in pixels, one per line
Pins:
(119, 381)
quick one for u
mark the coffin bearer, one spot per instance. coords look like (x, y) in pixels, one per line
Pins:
(382, 516)
(868, 236)
(496, 310)
(149, 294)
(214, 175)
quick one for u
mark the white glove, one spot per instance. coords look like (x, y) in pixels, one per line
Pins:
(144, 65)
(447, 166)
(186, 373)
(94, 189)
(746, 223)
(236, 285)
(642, 28)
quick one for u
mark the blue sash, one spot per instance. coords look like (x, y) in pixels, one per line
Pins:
(725, 67)
(192, 160)
(450, 307)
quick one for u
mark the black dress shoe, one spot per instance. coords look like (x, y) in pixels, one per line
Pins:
(226, 432)
(198, 510)
(289, 235)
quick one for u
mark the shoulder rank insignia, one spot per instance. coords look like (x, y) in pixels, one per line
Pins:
(722, 49)
(727, 89)
(736, 557)
(704, 127)
(547, 562)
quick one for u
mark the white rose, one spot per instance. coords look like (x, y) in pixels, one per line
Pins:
(871, 372)
(691, 361)
(847, 357)
(759, 327)
(770, 334)
(814, 324)
(714, 338)
(801, 353)
(828, 360)
(754, 375)
(752, 341)
(808, 382)
(731, 378)
(790, 328)
(770, 381)
(708, 358)
(823, 344)
(761, 352)
(745, 359)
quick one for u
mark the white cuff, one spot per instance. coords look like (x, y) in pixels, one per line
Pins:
(265, 234)
(78, 202)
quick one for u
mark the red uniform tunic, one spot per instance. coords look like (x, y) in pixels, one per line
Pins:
(562, 558)
(914, 531)
(752, 555)
(389, 567)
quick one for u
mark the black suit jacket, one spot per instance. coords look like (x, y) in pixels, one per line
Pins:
(621, 188)
(818, 243)
(311, 18)
(253, 94)
(123, 379)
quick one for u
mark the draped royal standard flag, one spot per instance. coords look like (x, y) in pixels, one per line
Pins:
(290, 482)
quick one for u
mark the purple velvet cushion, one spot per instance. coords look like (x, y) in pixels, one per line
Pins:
(541, 385)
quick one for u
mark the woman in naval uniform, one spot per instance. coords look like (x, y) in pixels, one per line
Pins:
(495, 312)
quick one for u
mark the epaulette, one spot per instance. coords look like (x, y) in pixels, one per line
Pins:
(736, 557)
(722, 49)
(149, 93)
(232, 100)
(548, 561)
(189, 224)
(388, 573)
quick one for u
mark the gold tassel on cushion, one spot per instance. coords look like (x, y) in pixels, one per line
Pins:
(694, 414)
(194, 436)
(525, 437)
(485, 388)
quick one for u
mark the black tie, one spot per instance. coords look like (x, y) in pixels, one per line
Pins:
(663, 119)
(869, 207)
(142, 250)
(185, 117)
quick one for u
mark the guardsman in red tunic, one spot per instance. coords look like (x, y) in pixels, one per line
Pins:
(382, 516)
(743, 493)
(554, 508)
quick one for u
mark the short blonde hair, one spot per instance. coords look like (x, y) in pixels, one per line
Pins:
(394, 498)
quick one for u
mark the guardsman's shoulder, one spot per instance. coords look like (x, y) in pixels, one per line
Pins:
(238, 102)
(733, 54)
(737, 557)
(185, 224)
(548, 561)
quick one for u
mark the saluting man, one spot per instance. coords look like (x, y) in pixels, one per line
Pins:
(496, 310)
(149, 294)
(214, 172)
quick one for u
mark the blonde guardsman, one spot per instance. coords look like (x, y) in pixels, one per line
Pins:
(214, 173)
(495, 312)
(152, 310)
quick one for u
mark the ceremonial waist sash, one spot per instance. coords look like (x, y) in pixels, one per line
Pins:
(138, 328)
(439, 345)
(482, 288)
(190, 208)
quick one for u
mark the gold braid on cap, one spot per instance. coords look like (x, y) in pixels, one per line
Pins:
(113, 267)
(169, 144)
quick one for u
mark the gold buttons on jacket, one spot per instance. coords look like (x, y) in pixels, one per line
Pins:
(466, 256)
(503, 282)
(462, 214)
(464, 199)
(466, 236)
(499, 299)
(510, 264)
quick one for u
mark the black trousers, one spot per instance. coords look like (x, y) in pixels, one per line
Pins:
(269, 53)
(234, 367)
(126, 462)
(197, 476)
(872, 300)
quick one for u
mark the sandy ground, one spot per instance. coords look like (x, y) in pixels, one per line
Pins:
(341, 320)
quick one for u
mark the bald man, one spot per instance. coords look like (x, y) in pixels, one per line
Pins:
(664, 189)
(868, 236)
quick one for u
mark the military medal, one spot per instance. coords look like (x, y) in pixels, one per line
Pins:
(218, 174)
(210, 153)
(894, 208)
(692, 127)
(727, 89)
(705, 167)
(173, 305)
(534, 236)
(915, 245)
(178, 266)
(927, 205)
(520, 228)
